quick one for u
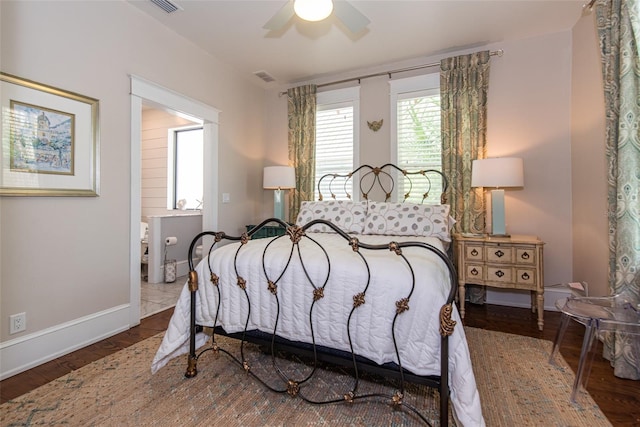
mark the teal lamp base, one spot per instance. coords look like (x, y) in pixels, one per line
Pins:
(278, 204)
(498, 226)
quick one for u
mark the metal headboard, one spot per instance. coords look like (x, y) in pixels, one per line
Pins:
(370, 179)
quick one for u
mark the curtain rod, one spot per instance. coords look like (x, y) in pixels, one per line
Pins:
(499, 52)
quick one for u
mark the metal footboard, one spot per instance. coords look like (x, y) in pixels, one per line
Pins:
(318, 354)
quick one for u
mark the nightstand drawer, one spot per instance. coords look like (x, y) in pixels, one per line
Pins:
(473, 253)
(474, 273)
(499, 274)
(497, 253)
(526, 276)
(525, 256)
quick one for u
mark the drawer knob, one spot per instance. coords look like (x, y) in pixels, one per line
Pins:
(499, 273)
(474, 252)
(525, 255)
(474, 272)
(525, 276)
(499, 253)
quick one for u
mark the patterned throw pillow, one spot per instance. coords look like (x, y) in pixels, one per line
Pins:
(408, 219)
(346, 214)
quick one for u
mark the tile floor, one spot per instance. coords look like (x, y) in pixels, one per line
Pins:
(156, 297)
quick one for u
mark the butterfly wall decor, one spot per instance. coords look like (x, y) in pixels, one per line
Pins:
(375, 126)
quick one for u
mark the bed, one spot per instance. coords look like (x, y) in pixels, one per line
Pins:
(364, 284)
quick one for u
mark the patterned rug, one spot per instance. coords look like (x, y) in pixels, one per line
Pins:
(517, 387)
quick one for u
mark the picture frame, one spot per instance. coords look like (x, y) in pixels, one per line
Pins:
(50, 140)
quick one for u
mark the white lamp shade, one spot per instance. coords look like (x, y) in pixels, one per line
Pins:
(279, 177)
(497, 172)
(313, 10)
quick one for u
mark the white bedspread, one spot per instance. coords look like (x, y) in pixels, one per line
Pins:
(417, 330)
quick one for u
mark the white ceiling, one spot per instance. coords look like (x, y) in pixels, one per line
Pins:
(231, 30)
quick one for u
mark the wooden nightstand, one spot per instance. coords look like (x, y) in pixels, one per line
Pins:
(513, 262)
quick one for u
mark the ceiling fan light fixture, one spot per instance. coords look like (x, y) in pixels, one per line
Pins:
(313, 10)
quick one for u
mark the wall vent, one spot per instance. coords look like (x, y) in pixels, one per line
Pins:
(268, 78)
(166, 5)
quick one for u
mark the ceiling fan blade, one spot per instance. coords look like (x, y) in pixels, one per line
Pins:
(350, 16)
(281, 17)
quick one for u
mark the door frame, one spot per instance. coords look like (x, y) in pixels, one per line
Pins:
(145, 91)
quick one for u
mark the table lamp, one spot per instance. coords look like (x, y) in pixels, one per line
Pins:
(278, 178)
(498, 172)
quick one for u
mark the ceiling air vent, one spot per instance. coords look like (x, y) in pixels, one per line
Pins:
(266, 77)
(166, 5)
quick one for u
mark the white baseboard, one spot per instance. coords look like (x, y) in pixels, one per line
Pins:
(522, 299)
(19, 354)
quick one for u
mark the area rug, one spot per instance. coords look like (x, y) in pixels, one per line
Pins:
(517, 387)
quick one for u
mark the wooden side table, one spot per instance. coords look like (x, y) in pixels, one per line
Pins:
(514, 262)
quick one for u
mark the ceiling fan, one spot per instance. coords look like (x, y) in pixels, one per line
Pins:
(317, 10)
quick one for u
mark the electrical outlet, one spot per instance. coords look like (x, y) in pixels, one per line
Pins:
(17, 323)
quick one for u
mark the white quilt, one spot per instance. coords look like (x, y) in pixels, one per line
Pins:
(417, 329)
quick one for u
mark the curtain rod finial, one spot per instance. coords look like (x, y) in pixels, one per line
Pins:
(588, 7)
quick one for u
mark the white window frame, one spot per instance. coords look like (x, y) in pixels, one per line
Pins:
(399, 89)
(337, 98)
(171, 164)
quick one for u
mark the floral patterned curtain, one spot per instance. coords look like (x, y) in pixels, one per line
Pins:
(302, 144)
(464, 82)
(618, 23)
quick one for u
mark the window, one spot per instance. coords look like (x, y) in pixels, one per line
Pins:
(185, 186)
(336, 138)
(417, 143)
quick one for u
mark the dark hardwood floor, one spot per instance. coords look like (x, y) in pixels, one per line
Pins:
(619, 399)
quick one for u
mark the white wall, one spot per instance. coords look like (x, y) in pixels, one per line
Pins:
(529, 115)
(588, 161)
(65, 261)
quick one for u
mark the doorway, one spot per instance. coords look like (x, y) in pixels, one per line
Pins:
(144, 92)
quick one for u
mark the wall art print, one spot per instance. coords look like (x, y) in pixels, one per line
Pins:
(40, 140)
(49, 140)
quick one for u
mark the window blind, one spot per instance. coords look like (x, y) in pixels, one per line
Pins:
(334, 147)
(419, 144)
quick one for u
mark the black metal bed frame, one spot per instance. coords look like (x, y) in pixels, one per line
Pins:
(318, 354)
(380, 177)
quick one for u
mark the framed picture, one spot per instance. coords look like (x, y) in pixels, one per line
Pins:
(50, 140)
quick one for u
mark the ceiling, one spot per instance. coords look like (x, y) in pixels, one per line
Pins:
(399, 31)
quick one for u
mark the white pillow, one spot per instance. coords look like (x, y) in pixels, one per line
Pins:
(408, 219)
(346, 214)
